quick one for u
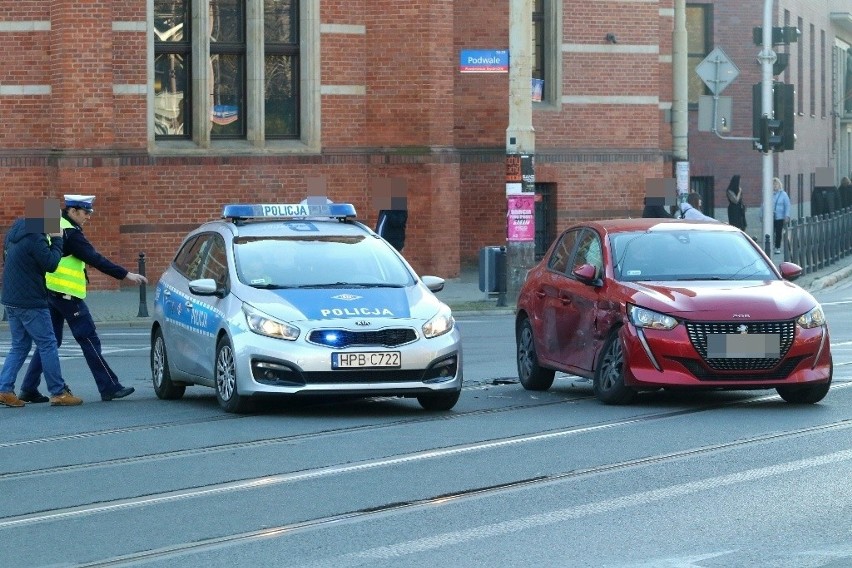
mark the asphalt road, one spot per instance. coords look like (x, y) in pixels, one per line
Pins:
(508, 478)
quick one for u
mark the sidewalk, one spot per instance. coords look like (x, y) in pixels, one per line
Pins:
(462, 294)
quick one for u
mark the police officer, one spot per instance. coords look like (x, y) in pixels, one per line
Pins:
(66, 293)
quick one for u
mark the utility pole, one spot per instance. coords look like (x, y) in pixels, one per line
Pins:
(767, 58)
(680, 96)
(520, 151)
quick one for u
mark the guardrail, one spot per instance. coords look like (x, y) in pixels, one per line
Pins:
(819, 241)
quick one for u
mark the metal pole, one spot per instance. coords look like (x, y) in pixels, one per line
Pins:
(767, 57)
(680, 102)
(520, 136)
(680, 92)
(143, 304)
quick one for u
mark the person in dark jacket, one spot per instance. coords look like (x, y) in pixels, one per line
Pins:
(391, 226)
(653, 209)
(66, 292)
(29, 253)
(736, 207)
(845, 192)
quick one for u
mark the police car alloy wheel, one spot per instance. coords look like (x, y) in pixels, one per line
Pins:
(226, 379)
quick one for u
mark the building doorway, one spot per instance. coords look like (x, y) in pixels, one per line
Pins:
(545, 217)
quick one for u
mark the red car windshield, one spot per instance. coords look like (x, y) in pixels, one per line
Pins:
(687, 255)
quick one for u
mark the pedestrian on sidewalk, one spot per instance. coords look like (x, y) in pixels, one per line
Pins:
(32, 248)
(66, 295)
(392, 201)
(736, 207)
(780, 211)
(691, 208)
(845, 192)
(653, 209)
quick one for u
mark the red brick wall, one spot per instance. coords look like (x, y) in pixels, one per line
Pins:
(25, 124)
(81, 74)
(409, 74)
(420, 120)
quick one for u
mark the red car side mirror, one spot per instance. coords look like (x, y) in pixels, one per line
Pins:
(790, 271)
(586, 273)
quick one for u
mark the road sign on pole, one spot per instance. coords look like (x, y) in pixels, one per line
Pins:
(717, 71)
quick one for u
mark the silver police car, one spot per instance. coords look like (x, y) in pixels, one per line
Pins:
(300, 299)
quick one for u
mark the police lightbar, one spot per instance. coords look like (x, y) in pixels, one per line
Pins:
(288, 211)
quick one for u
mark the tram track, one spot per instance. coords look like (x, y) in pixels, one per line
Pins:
(326, 471)
(389, 509)
(228, 447)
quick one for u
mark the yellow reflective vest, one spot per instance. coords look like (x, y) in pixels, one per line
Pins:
(70, 275)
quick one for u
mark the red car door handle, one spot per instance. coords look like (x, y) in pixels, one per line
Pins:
(565, 300)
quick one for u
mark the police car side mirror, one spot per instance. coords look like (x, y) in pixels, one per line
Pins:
(434, 283)
(204, 287)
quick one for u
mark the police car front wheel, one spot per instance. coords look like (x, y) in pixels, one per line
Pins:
(226, 380)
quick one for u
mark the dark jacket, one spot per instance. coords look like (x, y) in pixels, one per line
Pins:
(77, 245)
(27, 258)
(655, 211)
(391, 226)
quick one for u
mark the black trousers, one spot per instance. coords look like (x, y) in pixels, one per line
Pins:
(779, 229)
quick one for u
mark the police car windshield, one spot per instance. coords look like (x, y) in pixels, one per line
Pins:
(318, 261)
(687, 255)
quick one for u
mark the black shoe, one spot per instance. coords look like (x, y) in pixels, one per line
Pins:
(35, 396)
(120, 393)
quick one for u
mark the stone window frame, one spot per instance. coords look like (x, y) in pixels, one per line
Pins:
(199, 140)
(694, 58)
(549, 23)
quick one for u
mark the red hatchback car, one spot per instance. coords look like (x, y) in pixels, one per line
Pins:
(643, 304)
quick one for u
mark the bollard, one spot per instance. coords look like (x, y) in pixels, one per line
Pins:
(143, 304)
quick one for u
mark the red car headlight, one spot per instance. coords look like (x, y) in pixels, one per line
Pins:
(643, 317)
(814, 318)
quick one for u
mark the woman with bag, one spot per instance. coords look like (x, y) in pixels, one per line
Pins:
(736, 207)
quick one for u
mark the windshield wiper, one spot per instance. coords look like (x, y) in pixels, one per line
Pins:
(378, 285)
(270, 286)
(350, 285)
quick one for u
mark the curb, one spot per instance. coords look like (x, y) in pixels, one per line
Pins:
(829, 279)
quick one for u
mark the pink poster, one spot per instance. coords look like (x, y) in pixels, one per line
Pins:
(520, 219)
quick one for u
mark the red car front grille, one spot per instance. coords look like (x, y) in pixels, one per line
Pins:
(698, 332)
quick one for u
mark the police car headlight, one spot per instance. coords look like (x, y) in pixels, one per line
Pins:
(814, 318)
(442, 323)
(263, 324)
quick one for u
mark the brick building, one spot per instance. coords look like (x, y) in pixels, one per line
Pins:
(818, 68)
(167, 109)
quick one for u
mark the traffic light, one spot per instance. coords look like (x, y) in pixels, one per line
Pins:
(771, 134)
(780, 36)
(778, 133)
(782, 100)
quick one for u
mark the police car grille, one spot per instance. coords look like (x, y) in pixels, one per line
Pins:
(344, 338)
(698, 332)
(364, 376)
